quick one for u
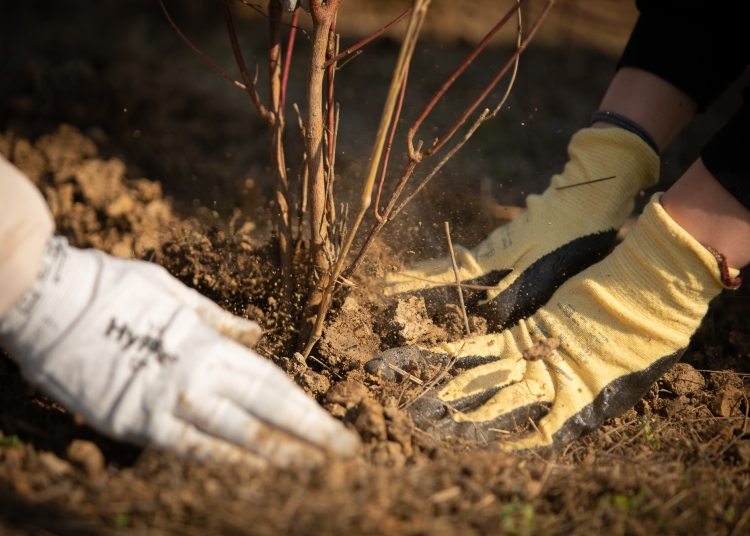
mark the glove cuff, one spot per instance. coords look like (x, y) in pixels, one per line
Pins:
(661, 272)
(628, 124)
(670, 244)
(66, 281)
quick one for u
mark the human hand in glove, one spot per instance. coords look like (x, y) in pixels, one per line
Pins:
(561, 232)
(147, 360)
(291, 5)
(589, 354)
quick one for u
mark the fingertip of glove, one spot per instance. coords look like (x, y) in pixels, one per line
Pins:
(246, 332)
(347, 444)
(398, 357)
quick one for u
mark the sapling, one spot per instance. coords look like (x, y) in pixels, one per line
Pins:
(332, 235)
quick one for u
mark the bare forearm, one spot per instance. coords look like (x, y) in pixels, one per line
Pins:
(655, 104)
(25, 227)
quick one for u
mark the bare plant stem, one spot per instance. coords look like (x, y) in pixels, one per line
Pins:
(330, 123)
(276, 91)
(481, 119)
(418, 14)
(383, 219)
(302, 177)
(322, 16)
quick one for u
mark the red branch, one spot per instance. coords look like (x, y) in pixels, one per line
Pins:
(288, 60)
(250, 86)
(366, 40)
(449, 82)
(492, 84)
(198, 51)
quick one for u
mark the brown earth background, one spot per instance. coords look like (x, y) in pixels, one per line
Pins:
(143, 151)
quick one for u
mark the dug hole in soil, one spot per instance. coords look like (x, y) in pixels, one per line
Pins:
(678, 463)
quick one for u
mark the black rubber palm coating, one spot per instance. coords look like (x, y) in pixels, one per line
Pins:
(533, 288)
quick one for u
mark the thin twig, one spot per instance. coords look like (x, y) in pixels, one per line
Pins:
(341, 65)
(519, 42)
(278, 158)
(302, 175)
(405, 374)
(452, 130)
(725, 372)
(413, 431)
(461, 68)
(481, 119)
(267, 115)
(288, 60)
(585, 182)
(619, 427)
(533, 425)
(198, 51)
(329, 369)
(330, 79)
(302, 178)
(438, 377)
(458, 279)
(332, 112)
(401, 394)
(625, 443)
(447, 283)
(366, 40)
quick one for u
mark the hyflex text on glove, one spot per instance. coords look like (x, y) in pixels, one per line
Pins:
(145, 359)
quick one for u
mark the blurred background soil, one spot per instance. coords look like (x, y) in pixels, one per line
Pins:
(143, 151)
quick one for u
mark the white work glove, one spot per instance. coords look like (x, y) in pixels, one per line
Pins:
(147, 360)
(290, 5)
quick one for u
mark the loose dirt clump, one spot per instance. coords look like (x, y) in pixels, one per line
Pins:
(92, 202)
(408, 323)
(349, 337)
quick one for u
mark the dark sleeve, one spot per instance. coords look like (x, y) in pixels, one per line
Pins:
(698, 46)
(727, 154)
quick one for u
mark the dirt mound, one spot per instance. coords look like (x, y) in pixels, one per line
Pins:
(678, 462)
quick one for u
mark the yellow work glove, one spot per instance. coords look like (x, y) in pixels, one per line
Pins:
(620, 324)
(561, 232)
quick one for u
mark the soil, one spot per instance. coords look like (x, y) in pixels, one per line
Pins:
(90, 105)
